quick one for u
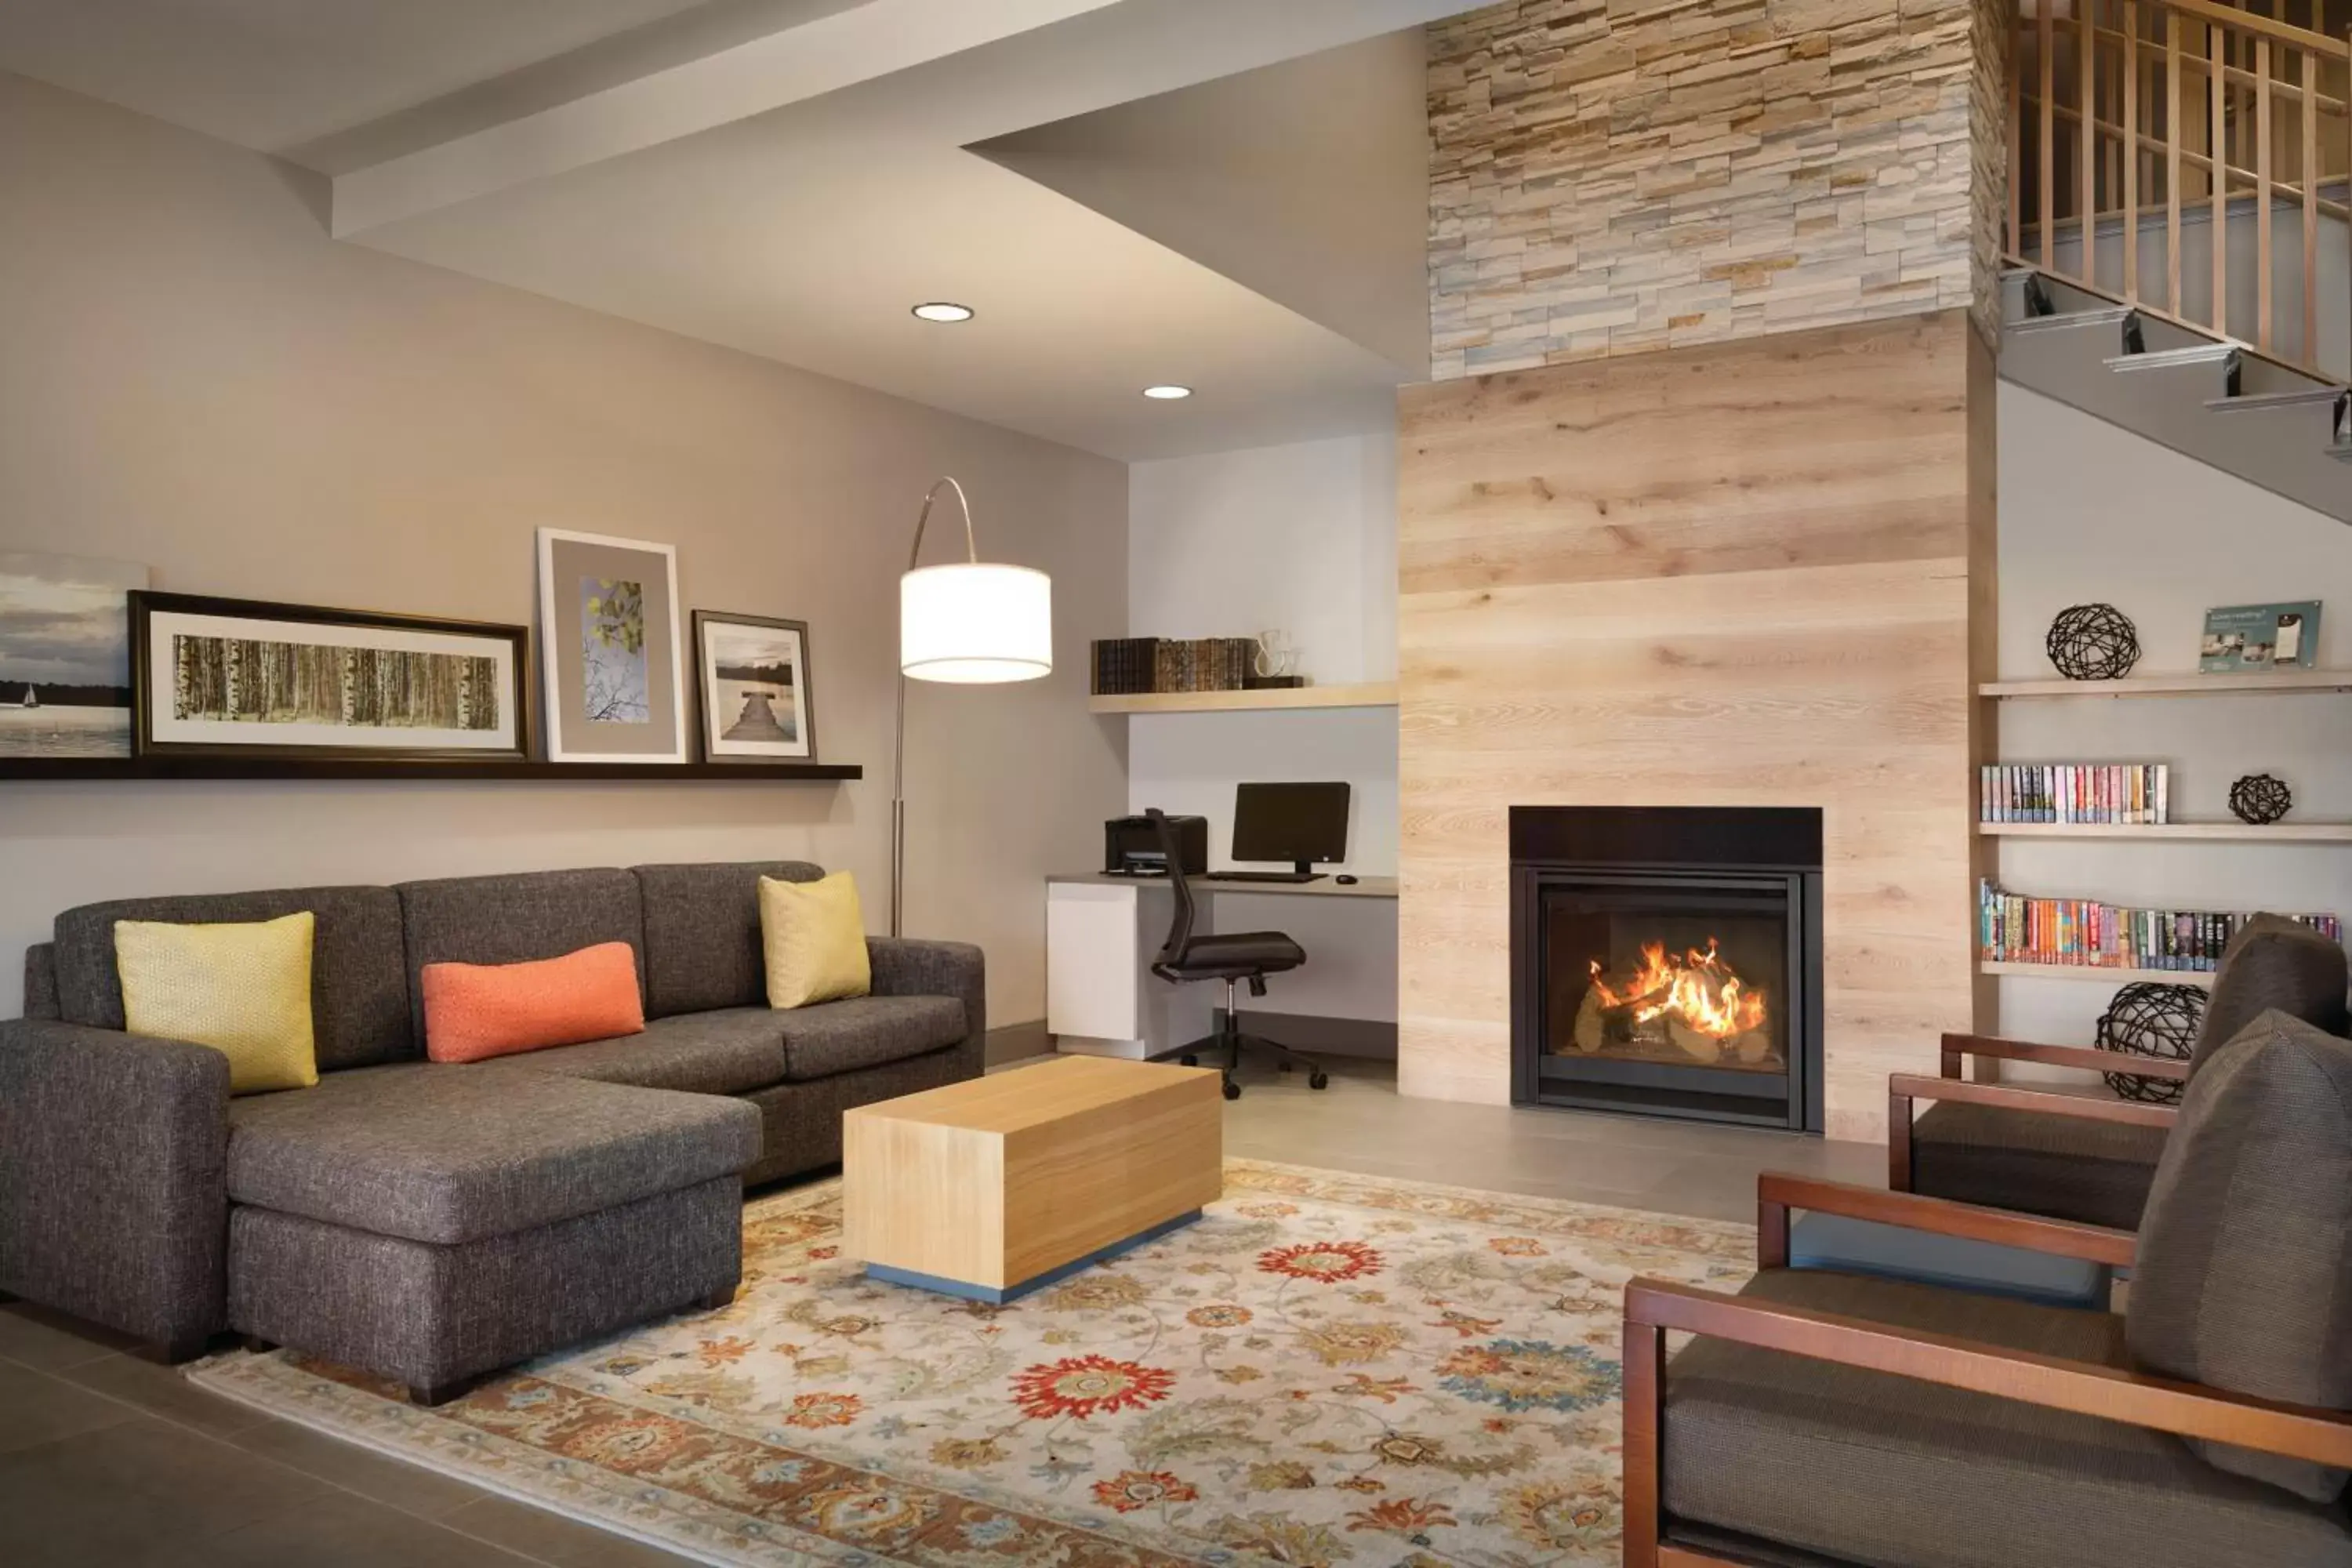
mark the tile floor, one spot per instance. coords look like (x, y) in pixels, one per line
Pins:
(107, 1461)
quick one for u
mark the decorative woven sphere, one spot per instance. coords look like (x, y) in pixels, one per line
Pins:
(2093, 642)
(2261, 799)
(2149, 1018)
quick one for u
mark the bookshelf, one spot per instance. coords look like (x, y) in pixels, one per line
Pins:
(2283, 682)
(2176, 832)
(1365, 694)
(2106, 973)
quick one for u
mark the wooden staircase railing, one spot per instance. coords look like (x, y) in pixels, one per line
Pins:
(2126, 114)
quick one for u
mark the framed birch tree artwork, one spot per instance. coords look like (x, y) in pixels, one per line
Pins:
(246, 678)
(608, 627)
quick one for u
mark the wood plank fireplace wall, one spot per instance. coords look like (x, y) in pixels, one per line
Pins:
(1749, 573)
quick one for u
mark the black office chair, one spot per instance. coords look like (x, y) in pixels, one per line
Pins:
(1238, 956)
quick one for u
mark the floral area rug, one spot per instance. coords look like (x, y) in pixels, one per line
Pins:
(1326, 1369)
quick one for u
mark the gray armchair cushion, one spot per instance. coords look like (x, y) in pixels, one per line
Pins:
(2245, 1274)
(2274, 962)
(866, 1032)
(732, 1051)
(359, 993)
(2094, 1173)
(41, 981)
(1863, 1466)
(451, 1153)
(702, 933)
(514, 920)
(113, 1205)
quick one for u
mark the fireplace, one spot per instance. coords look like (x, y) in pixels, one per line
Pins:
(1666, 961)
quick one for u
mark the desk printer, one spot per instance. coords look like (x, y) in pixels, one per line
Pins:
(1131, 846)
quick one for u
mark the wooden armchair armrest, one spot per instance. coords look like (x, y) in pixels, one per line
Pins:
(1654, 1307)
(1903, 1087)
(1777, 1194)
(2112, 1393)
(1957, 1046)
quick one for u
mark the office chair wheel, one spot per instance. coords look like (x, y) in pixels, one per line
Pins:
(1318, 1080)
(1189, 1060)
(1232, 1089)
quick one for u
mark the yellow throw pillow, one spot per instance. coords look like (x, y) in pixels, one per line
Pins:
(243, 989)
(814, 934)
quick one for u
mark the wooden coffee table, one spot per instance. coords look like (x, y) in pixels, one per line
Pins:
(994, 1187)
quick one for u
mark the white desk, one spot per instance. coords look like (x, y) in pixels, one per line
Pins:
(1103, 932)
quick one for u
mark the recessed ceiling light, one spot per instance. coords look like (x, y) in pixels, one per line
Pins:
(943, 311)
(1169, 393)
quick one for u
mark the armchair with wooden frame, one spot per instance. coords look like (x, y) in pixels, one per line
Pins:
(1827, 1420)
(2060, 1153)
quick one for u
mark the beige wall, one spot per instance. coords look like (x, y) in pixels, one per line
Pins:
(192, 375)
(1612, 177)
(1753, 574)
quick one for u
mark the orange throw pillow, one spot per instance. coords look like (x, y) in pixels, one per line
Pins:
(476, 1011)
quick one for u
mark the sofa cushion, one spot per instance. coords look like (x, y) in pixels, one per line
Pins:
(702, 933)
(446, 1154)
(2243, 1277)
(2272, 963)
(359, 992)
(866, 1032)
(2094, 1173)
(477, 1011)
(512, 919)
(1930, 1477)
(732, 1051)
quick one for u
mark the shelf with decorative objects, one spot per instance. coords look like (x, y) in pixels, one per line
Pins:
(243, 769)
(1363, 694)
(2272, 683)
(2108, 975)
(2239, 832)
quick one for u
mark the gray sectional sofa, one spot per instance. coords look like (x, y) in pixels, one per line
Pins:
(430, 1222)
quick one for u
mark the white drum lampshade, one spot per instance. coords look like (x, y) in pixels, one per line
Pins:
(974, 623)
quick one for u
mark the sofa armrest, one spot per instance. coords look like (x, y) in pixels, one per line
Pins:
(904, 967)
(113, 1177)
(41, 981)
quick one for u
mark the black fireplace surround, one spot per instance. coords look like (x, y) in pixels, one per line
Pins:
(1666, 961)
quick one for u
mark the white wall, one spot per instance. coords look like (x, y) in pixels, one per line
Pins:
(1300, 538)
(194, 377)
(2089, 511)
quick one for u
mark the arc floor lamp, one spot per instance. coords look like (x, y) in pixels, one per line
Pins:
(970, 622)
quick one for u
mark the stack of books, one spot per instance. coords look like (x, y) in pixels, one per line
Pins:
(1126, 666)
(2013, 929)
(2137, 794)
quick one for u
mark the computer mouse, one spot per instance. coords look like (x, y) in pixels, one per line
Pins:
(1344, 880)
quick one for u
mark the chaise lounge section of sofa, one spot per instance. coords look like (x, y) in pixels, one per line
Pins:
(430, 1222)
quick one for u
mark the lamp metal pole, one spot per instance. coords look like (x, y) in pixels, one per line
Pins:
(898, 739)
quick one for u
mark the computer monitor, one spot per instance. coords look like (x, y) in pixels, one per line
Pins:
(1300, 823)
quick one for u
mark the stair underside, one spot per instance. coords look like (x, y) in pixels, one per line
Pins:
(2280, 432)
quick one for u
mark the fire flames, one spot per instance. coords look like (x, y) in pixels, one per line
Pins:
(1697, 990)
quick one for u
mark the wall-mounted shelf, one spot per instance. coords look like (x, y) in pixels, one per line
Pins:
(77, 769)
(2237, 831)
(1366, 694)
(2103, 973)
(2190, 685)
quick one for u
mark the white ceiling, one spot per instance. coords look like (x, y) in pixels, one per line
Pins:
(788, 176)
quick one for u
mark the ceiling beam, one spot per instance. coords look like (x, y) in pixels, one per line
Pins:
(808, 47)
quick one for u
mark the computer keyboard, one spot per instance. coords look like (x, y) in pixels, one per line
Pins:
(1262, 877)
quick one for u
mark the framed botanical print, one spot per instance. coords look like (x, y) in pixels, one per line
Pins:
(752, 672)
(608, 630)
(247, 677)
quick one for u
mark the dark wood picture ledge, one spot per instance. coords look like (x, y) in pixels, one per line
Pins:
(71, 769)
